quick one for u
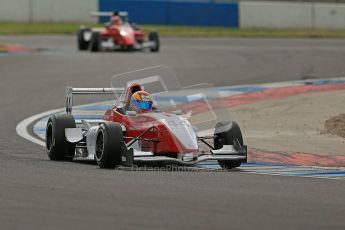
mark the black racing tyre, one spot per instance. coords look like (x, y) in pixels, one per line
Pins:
(58, 148)
(154, 37)
(95, 43)
(225, 134)
(82, 43)
(109, 145)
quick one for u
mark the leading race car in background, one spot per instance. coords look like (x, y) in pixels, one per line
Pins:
(128, 137)
(117, 34)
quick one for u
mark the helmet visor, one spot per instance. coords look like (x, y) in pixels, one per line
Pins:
(144, 105)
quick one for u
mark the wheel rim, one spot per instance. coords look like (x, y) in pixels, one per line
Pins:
(49, 136)
(99, 145)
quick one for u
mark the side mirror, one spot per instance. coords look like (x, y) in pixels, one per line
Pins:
(131, 113)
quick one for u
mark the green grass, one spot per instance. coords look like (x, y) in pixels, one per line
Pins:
(185, 31)
(11, 28)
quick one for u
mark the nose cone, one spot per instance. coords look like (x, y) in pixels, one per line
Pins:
(127, 35)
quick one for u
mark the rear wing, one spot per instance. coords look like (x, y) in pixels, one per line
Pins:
(70, 91)
(109, 13)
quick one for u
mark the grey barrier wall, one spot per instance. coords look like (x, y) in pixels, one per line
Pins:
(329, 16)
(48, 10)
(302, 15)
(251, 14)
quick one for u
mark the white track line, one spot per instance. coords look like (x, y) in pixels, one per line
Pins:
(22, 127)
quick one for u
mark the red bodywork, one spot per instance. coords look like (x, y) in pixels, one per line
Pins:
(158, 140)
(122, 34)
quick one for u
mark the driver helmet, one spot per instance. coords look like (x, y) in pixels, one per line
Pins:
(141, 102)
(116, 20)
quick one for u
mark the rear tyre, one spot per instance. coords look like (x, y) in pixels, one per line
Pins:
(225, 134)
(95, 43)
(154, 37)
(82, 43)
(109, 145)
(58, 148)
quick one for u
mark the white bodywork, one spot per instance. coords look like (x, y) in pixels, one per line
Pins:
(180, 127)
(91, 137)
(74, 135)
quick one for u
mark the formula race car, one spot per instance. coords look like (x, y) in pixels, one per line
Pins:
(135, 131)
(117, 34)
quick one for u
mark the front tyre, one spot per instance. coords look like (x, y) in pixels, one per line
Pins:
(154, 37)
(58, 148)
(227, 133)
(95, 43)
(83, 44)
(109, 145)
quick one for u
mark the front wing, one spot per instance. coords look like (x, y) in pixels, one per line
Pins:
(227, 153)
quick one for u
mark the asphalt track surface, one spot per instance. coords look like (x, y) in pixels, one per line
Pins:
(36, 193)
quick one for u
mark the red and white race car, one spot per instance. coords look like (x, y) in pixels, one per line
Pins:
(127, 137)
(117, 34)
